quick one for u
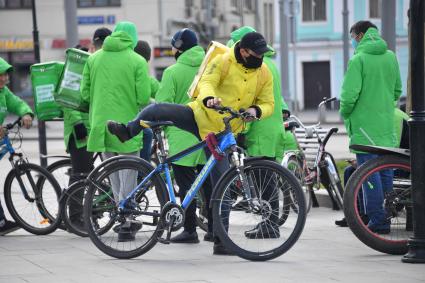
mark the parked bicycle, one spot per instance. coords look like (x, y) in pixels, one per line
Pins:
(31, 193)
(397, 199)
(323, 170)
(152, 203)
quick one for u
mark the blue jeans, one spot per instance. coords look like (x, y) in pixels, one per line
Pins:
(145, 152)
(374, 189)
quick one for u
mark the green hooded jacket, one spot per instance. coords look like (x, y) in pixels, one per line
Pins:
(10, 103)
(371, 86)
(399, 117)
(116, 85)
(175, 83)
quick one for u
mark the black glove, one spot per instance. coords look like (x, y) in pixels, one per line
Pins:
(80, 131)
(240, 140)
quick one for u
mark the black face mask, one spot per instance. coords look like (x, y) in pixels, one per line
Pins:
(252, 62)
(177, 55)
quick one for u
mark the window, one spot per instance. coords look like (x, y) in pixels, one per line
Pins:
(314, 10)
(15, 4)
(375, 9)
(98, 3)
(250, 5)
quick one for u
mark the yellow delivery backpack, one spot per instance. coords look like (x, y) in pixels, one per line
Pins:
(215, 48)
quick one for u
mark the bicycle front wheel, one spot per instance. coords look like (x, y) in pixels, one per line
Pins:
(61, 171)
(254, 233)
(397, 202)
(32, 197)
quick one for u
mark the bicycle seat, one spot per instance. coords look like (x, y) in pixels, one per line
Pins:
(155, 124)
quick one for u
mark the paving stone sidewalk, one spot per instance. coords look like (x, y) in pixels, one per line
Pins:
(324, 253)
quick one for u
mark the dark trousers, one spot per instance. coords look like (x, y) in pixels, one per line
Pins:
(183, 118)
(2, 216)
(82, 164)
(185, 176)
(81, 160)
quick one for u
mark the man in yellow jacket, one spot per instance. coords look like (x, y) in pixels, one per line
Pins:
(246, 84)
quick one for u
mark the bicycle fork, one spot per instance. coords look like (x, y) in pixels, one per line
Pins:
(249, 192)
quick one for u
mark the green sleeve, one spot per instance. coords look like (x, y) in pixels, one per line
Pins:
(154, 86)
(143, 84)
(167, 91)
(85, 83)
(398, 87)
(16, 105)
(351, 87)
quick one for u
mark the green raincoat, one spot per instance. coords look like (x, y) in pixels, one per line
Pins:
(10, 103)
(116, 85)
(175, 83)
(371, 86)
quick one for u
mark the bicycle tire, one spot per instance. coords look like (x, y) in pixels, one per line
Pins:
(70, 196)
(295, 165)
(382, 243)
(49, 211)
(241, 221)
(141, 166)
(336, 191)
(60, 170)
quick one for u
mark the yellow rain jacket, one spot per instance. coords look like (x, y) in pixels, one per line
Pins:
(238, 88)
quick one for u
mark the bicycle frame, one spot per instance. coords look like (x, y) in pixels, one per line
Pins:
(6, 147)
(225, 141)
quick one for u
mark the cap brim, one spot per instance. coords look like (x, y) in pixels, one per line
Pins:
(261, 50)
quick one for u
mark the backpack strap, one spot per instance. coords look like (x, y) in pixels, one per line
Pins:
(225, 66)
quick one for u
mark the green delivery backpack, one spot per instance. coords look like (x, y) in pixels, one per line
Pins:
(68, 93)
(44, 79)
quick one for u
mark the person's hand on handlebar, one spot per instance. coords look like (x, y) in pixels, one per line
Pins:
(213, 102)
(26, 121)
(250, 114)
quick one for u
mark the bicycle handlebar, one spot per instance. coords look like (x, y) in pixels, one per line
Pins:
(11, 125)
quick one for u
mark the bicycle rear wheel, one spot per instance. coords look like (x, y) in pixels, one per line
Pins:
(295, 165)
(254, 233)
(397, 204)
(141, 218)
(38, 212)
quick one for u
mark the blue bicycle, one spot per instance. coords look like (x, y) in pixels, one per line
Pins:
(31, 193)
(151, 210)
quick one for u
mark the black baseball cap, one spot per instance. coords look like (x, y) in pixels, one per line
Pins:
(101, 33)
(255, 42)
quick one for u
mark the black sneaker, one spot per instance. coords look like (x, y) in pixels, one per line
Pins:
(209, 237)
(263, 231)
(8, 227)
(120, 130)
(185, 238)
(219, 249)
(127, 231)
(341, 223)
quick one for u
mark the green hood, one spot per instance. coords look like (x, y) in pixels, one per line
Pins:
(372, 43)
(130, 29)
(192, 57)
(4, 66)
(237, 35)
(118, 41)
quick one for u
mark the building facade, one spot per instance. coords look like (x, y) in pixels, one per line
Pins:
(316, 59)
(156, 21)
